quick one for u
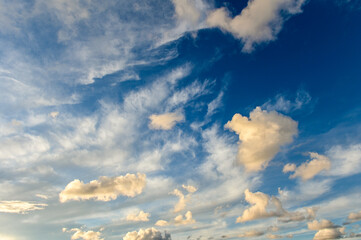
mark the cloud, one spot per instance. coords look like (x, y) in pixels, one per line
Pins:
(346, 160)
(282, 103)
(165, 121)
(179, 220)
(276, 236)
(252, 233)
(329, 233)
(309, 169)
(85, 235)
(20, 206)
(261, 136)
(186, 10)
(183, 199)
(318, 225)
(260, 203)
(104, 189)
(309, 213)
(162, 223)
(354, 217)
(146, 234)
(259, 22)
(189, 188)
(140, 217)
(326, 229)
(54, 114)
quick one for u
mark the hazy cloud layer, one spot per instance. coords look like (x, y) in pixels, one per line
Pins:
(21, 207)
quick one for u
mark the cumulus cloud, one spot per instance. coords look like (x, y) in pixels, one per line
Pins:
(326, 229)
(182, 198)
(261, 136)
(85, 235)
(20, 206)
(318, 225)
(179, 220)
(104, 189)
(146, 234)
(354, 217)
(329, 233)
(260, 207)
(139, 217)
(309, 169)
(165, 121)
(259, 22)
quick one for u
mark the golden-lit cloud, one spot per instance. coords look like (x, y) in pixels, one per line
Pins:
(329, 233)
(84, 235)
(146, 234)
(318, 225)
(139, 217)
(260, 207)
(252, 233)
(165, 121)
(259, 22)
(309, 169)
(261, 136)
(179, 220)
(354, 216)
(20, 207)
(162, 223)
(105, 188)
(181, 204)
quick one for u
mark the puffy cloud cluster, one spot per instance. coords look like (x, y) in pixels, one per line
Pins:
(165, 121)
(326, 230)
(178, 220)
(259, 22)
(85, 235)
(182, 198)
(104, 189)
(20, 206)
(309, 169)
(146, 234)
(140, 217)
(260, 207)
(261, 136)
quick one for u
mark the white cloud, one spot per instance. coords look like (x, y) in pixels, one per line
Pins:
(282, 103)
(259, 22)
(276, 236)
(309, 169)
(345, 161)
(261, 136)
(20, 206)
(186, 10)
(139, 217)
(146, 234)
(260, 203)
(165, 121)
(162, 223)
(104, 189)
(189, 188)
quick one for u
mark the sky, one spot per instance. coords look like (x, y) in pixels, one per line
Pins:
(180, 119)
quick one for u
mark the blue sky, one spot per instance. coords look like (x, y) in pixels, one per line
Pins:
(180, 119)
